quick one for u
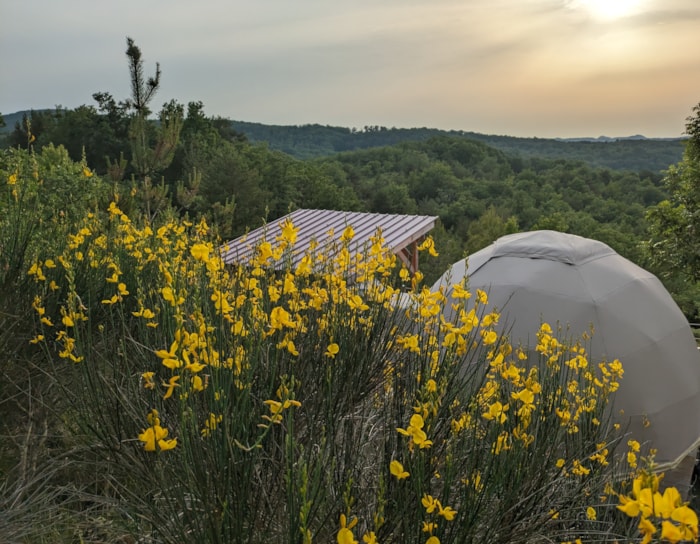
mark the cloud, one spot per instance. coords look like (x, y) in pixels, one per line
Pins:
(492, 65)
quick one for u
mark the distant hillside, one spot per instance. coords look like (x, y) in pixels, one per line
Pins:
(12, 118)
(634, 153)
(308, 141)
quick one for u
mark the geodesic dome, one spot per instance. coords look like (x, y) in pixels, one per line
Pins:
(576, 282)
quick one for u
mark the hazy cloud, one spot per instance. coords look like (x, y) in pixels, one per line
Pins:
(522, 67)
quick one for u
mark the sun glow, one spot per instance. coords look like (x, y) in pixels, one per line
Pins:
(609, 10)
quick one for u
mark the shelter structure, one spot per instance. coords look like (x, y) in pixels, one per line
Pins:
(401, 233)
(576, 283)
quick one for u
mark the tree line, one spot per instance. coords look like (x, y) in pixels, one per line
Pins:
(314, 140)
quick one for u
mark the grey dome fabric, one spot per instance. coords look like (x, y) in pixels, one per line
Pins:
(576, 282)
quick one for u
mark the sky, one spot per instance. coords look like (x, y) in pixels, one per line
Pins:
(530, 68)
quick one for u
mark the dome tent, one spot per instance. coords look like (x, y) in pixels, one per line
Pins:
(559, 278)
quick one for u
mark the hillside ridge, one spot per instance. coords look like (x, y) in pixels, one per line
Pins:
(635, 153)
(311, 141)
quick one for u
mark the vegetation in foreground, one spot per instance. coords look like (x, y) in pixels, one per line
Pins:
(189, 402)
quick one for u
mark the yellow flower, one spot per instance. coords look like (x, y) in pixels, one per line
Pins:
(332, 350)
(579, 469)
(211, 423)
(35, 270)
(356, 303)
(264, 252)
(166, 445)
(503, 443)
(148, 382)
(410, 342)
(670, 501)
(348, 234)
(155, 436)
(167, 293)
(458, 291)
(276, 408)
(496, 411)
(397, 470)
(647, 528)
(200, 252)
(447, 512)
(279, 318)
(433, 540)
(525, 396)
(670, 532)
(429, 526)
(38, 307)
(429, 503)
(171, 385)
(684, 514)
(197, 383)
(490, 319)
(289, 232)
(345, 535)
(291, 348)
(68, 321)
(688, 520)
(193, 367)
(169, 357)
(38, 338)
(12, 179)
(144, 312)
(86, 172)
(416, 432)
(151, 435)
(591, 513)
(221, 302)
(428, 244)
(304, 267)
(370, 538)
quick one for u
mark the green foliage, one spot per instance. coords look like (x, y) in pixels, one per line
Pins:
(152, 146)
(142, 90)
(257, 404)
(287, 388)
(42, 195)
(674, 224)
(489, 227)
(313, 141)
(460, 180)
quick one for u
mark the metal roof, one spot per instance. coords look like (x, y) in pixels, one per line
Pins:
(400, 232)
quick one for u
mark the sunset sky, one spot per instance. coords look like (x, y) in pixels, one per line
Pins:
(546, 68)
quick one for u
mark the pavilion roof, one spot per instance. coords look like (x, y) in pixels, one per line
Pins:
(401, 233)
